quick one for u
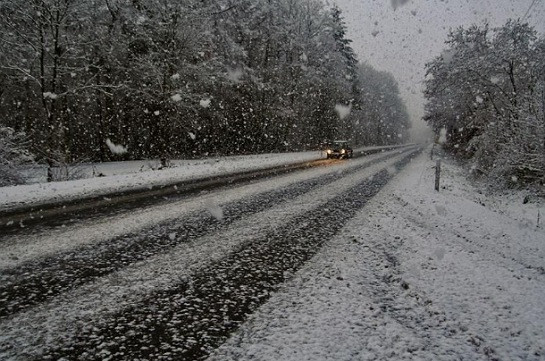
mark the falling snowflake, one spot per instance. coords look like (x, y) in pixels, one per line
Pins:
(398, 3)
(448, 55)
(235, 75)
(439, 253)
(205, 103)
(343, 110)
(50, 95)
(115, 148)
(215, 210)
(442, 136)
(141, 20)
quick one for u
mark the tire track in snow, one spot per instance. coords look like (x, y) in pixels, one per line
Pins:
(34, 282)
(16, 250)
(62, 318)
(191, 318)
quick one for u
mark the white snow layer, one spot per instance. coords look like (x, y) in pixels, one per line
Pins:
(106, 178)
(57, 320)
(417, 275)
(120, 176)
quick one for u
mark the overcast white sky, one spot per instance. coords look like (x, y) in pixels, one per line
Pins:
(401, 41)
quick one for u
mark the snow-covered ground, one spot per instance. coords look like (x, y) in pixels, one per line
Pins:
(130, 175)
(57, 321)
(417, 275)
(133, 175)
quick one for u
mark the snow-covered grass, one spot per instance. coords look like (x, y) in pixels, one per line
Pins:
(130, 175)
(418, 274)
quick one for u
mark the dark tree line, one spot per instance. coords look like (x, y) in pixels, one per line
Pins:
(486, 93)
(167, 78)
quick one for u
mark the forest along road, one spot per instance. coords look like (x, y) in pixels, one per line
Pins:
(172, 281)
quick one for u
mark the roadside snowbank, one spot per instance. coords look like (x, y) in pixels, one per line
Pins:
(134, 175)
(122, 176)
(418, 274)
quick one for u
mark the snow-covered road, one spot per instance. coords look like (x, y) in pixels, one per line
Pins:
(331, 263)
(416, 275)
(79, 284)
(124, 186)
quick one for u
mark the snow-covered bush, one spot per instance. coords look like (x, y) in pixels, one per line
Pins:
(13, 154)
(60, 169)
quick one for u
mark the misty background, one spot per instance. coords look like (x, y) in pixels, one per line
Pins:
(401, 36)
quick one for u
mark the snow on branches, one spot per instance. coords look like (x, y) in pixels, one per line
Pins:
(487, 89)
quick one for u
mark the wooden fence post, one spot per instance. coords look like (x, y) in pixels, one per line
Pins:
(437, 174)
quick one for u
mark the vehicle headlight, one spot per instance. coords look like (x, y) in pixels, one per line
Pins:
(343, 151)
(328, 151)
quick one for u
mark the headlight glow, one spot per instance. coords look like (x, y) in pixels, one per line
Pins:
(328, 151)
(343, 151)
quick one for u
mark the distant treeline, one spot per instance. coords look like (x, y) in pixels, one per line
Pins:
(166, 78)
(486, 95)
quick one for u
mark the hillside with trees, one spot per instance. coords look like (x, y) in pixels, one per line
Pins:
(486, 93)
(186, 78)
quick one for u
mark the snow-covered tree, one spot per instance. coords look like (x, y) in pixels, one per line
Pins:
(169, 78)
(486, 91)
(382, 116)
